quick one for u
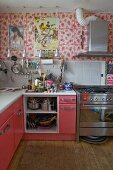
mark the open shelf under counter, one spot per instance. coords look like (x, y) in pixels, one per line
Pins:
(53, 129)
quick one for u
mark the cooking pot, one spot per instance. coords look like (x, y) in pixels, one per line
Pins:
(33, 104)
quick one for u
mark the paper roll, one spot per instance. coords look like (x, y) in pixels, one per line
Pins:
(47, 61)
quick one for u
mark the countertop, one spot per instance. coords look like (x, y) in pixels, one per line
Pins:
(61, 92)
(9, 97)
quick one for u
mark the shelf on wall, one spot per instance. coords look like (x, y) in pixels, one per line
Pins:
(94, 54)
(40, 111)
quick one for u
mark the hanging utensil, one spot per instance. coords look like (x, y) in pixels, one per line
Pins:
(16, 68)
(3, 67)
(25, 69)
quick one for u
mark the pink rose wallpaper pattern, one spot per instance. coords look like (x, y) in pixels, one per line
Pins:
(72, 37)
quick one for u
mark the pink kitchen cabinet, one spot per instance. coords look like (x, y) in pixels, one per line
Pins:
(67, 118)
(67, 99)
(6, 143)
(65, 125)
(11, 131)
(18, 122)
(67, 114)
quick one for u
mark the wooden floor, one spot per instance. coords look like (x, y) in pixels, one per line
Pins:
(63, 155)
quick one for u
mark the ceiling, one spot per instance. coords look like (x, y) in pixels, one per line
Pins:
(55, 5)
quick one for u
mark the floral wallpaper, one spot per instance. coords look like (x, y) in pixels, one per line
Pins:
(72, 37)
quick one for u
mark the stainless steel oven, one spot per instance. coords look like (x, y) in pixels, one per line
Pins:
(94, 113)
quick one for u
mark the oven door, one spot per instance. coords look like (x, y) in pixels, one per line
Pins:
(96, 115)
(96, 120)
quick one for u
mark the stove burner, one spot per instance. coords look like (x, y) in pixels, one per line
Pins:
(95, 89)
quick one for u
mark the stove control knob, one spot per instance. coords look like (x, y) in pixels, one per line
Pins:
(110, 99)
(91, 99)
(107, 99)
(103, 99)
(96, 99)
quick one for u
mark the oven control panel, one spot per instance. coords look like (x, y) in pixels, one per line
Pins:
(97, 99)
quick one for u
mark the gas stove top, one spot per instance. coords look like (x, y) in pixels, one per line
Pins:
(95, 89)
(95, 94)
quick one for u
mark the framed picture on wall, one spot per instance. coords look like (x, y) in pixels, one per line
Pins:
(16, 37)
(46, 33)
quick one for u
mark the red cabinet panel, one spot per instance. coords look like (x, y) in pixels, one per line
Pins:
(67, 99)
(6, 143)
(18, 121)
(67, 118)
(17, 104)
(4, 116)
(11, 132)
(18, 126)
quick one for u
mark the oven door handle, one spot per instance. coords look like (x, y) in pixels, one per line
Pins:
(96, 106)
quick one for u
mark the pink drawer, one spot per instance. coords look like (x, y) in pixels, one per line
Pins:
(67, 99)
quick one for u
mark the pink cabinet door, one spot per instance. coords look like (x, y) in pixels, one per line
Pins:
(6, 114)
(18, 124)
(6, 143)
(67, 118)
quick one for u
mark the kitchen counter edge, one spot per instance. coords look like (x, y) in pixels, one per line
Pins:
(8, 98)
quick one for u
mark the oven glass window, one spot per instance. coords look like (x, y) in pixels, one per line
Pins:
(96, 115)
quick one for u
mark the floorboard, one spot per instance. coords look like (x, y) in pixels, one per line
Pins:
(63, 155)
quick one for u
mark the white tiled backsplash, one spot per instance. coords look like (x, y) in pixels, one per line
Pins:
(78, 72)
(85, 72)
(17, 80)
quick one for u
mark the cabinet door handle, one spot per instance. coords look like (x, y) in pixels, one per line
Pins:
(19, 112)
(5, 130)
(67, 108)
(67, 100)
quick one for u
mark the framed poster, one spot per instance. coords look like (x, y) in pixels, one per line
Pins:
(46, 33)
(16, 37)
(110, 68)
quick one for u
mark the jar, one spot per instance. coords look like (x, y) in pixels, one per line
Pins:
(61, 86)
